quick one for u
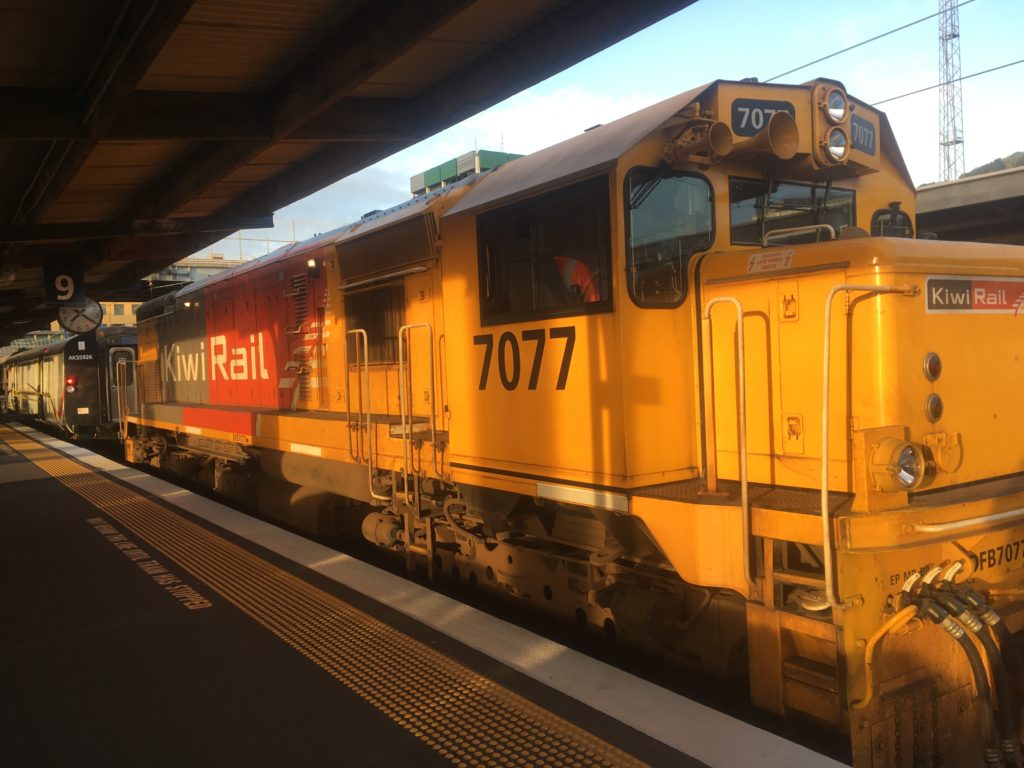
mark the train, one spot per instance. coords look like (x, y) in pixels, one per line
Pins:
(689, 378)
(72, 384)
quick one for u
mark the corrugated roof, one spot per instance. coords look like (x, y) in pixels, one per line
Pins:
(133, 134)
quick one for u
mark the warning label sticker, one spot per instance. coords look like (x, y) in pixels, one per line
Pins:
(770, 261)
(991, 295)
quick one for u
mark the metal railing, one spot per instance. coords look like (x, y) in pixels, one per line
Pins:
(405, 384)
(741, 412)
(826, 527)
(366, 450)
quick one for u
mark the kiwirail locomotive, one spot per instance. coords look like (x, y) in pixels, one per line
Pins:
(72, 384)
(688, 377)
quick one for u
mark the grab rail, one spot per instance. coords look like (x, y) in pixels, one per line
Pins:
(360, 333)
(776, 234)
(406, 408)
(741, 409)
(826, 528)
(121, 376)
(969, 522)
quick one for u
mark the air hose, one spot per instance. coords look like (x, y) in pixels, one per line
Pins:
(1010, 651)
(938, 615)
(894, 623)
(1007, 710)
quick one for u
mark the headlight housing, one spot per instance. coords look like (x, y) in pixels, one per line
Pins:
(898, 465)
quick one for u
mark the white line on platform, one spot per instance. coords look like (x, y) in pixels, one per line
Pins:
(714, 738)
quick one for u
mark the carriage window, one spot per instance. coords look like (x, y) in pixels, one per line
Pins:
(380, 312)
(546, 257)
(754, 210)
(670, 218)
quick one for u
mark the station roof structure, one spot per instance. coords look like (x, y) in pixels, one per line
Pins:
(988, 208)
(135, 132)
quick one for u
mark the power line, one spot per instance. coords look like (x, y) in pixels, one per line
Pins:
(939, 85)
(865, 42)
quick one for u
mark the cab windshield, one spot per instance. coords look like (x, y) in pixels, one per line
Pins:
(758, 207)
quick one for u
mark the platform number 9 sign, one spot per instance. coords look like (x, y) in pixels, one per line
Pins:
(62, 276)
(65, 285)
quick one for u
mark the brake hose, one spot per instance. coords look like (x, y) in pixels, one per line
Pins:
(1007, 709)
(894, 623)
(940, 616)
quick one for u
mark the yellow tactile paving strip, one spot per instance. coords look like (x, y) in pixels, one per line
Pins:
(462, 715)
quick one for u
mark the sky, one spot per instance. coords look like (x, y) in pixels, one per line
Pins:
(702, 43)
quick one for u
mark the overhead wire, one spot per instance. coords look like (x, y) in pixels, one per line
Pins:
(939, 85)
(865, 42)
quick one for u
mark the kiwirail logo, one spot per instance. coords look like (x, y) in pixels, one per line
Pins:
(227, 363)
(976, 295)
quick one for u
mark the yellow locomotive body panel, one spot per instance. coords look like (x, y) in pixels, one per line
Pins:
(605, 378)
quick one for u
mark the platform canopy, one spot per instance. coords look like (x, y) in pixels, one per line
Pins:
(135, 132)
(987, 208)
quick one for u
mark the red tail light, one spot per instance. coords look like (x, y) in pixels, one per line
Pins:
(70, 384)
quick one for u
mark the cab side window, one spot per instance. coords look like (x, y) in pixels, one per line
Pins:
(548, 256)
(669, 216)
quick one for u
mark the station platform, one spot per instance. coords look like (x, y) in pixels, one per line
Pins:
(147, 625)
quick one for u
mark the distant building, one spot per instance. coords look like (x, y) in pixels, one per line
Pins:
(458, 168)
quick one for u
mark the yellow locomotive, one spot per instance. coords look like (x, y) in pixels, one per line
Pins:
(687, 376)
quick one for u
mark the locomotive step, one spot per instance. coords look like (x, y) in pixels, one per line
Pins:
(811, 672)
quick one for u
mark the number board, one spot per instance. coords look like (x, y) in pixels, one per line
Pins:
(751, 116)
(863, 138)
(63, 280)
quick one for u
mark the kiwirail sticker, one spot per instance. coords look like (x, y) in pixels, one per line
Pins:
(974, 295)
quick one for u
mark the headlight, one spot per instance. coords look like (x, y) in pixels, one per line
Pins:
(909, 466)
(836, 106)
(837, 145)
(897, 465)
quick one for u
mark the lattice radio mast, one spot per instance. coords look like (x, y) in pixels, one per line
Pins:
(951, 110)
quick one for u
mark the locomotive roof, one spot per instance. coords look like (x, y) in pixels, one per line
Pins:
(575, 157)
(600, 147)
(417, 206)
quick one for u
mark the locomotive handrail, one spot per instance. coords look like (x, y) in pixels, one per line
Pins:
(406, 408)
(360, 333)
(741, 363)
(826, 527)
(970, 522)
(776, 233)
(121, 375)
